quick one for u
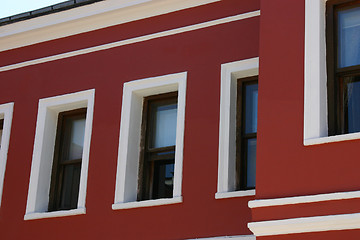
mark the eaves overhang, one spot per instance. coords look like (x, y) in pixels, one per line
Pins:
(87, 18)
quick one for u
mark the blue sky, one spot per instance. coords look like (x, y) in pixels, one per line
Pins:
(12, 7)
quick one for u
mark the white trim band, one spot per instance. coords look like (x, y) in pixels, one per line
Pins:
(242, 237)
(87, 18)
(331, 139)
(306, 224)
(245, 193)
(303, 199)
(64, 213)
(148, 203)
(131, 40)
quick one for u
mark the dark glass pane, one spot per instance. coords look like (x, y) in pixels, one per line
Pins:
(74, 138)
(250, 162)
(349, 37)
(162, 156)
(163, 180)
(1, 130)
(70, 186)
(251, 102)
(352, 103)
(163, 125)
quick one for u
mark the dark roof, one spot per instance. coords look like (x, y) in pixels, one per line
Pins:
(46, 10)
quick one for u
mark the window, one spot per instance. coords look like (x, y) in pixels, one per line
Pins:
(156, 171)
(6, 114)
(152, 175)
(237, 129)
(65, 179)
(330, 72)
(59, 168)
(247, 98)
(343, 66)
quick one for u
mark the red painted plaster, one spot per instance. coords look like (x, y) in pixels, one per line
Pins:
(200, 53)
(285, 167)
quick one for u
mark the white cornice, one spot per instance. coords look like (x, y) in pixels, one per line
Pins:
(131, 40)
(87, 18)
(306, 224)
(303, 199)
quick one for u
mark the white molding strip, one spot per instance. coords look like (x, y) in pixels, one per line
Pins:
(64, 213)
(331, 139)
(87, 18)
(306, 224)
(147, 203)
(303, 199)
(245, 193)
(132, 40)
(242, 237)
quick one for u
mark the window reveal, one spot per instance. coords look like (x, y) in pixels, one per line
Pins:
(157, 156)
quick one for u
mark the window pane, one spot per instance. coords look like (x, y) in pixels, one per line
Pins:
(352, 103)
(251, 102)
(164, 125)
(349, 37)
(164, 180)
(251, 162)
(70, 187)
(1, 130)
(76, 138)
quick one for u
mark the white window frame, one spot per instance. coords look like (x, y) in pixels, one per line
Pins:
(230, 72)
(315, 82)
(6, 113)
(42, 160)
(129, 140)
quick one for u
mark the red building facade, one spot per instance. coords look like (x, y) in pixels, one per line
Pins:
(110, 58)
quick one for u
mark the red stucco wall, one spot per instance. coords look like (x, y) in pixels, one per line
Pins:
(200, 53)
(285, 167)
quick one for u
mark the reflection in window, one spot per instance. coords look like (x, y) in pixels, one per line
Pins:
(163, 124)
(351, 101)
(65, 179)
(349, 36)
(247, 102)
(156, 172)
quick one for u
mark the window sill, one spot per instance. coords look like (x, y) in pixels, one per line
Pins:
(147, 203)
(40, 215)
(331, 139)
(245, 193)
